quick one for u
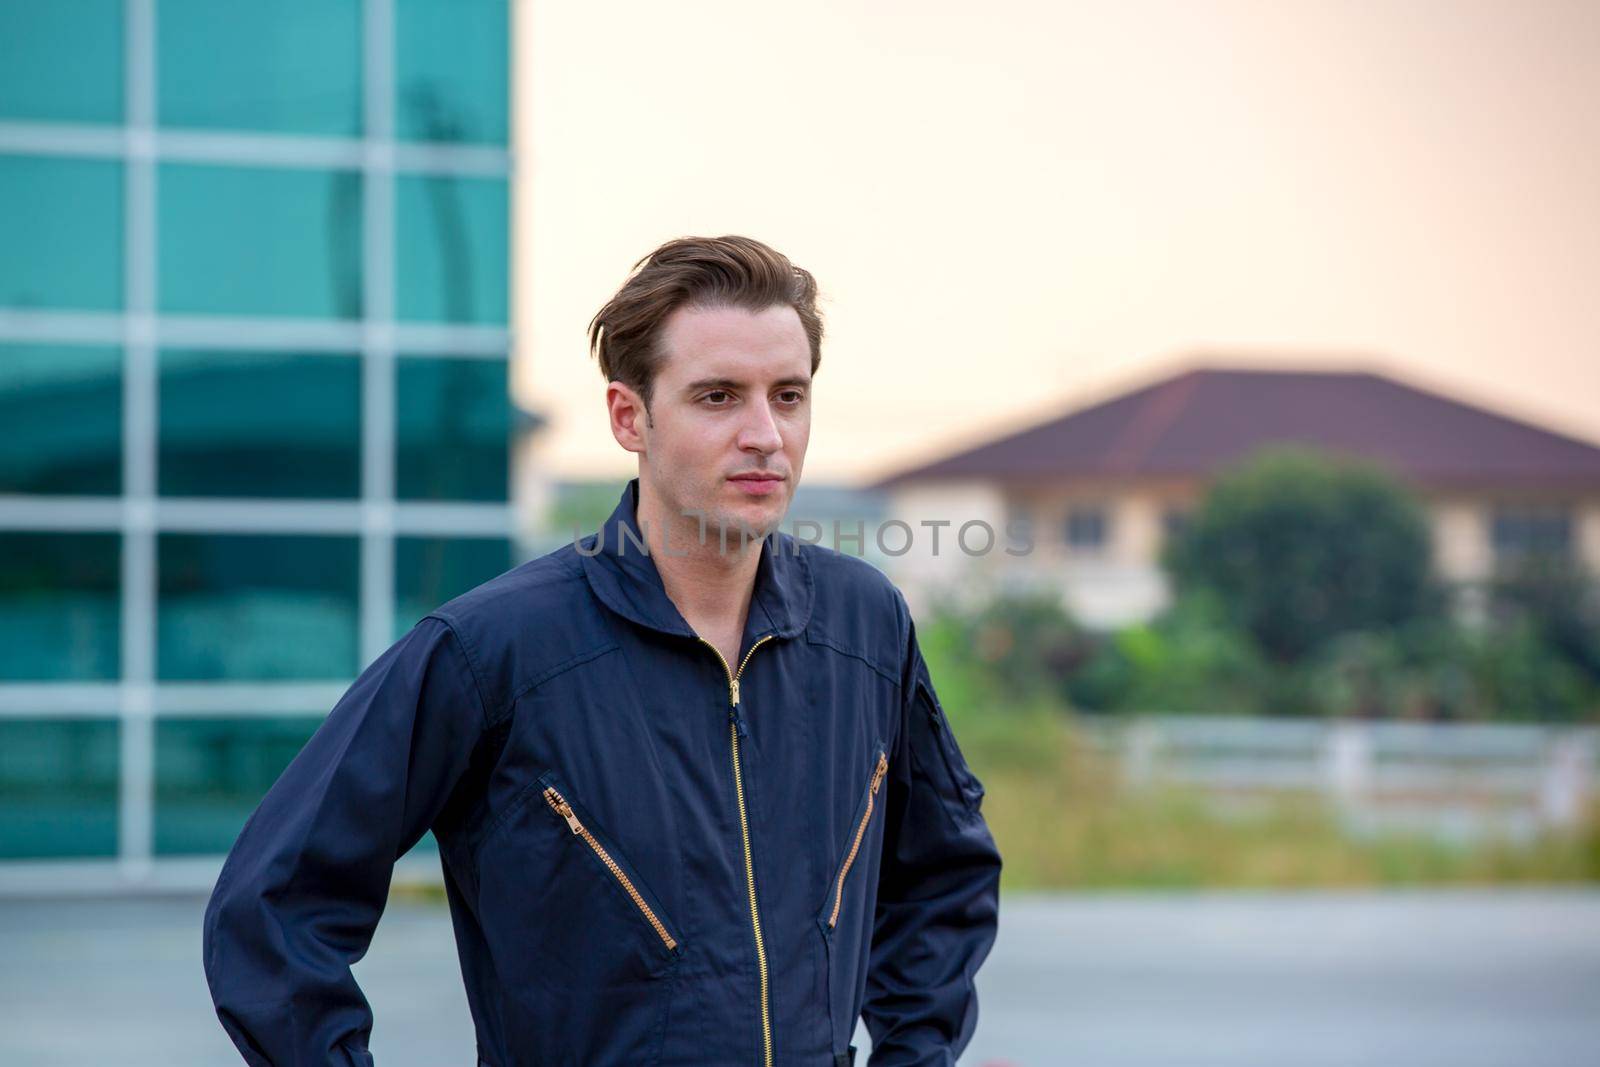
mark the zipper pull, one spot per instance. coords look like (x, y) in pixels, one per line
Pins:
(882, 768)
(563, 809)
(733, 692)
(738, 723)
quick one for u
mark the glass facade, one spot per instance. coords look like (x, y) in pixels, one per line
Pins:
(60, 599)
(58, 788)
(254, 607)
(62, 220)
(453, 417)
(259, 241)
(61, 406)
(211, 772)
(216, 59)
(452, 253)
(430, 570)
(273, 424)
(438, 97)
(61, 61)
(254, 367)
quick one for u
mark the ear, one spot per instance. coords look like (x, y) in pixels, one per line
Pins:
(629, 423)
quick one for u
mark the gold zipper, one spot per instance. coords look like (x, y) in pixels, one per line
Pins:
(744, 829)
(563, 809)
(861, 829)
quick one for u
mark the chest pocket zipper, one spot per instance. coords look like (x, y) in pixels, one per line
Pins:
(855, 844)
(559, 805)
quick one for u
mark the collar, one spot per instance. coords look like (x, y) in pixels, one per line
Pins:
(626, 580)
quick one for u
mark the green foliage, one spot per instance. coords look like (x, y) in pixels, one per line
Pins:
(1420, 671)
(1192, 659)
(1559, 604)
(1019, 651)
(1027, 652)
(580, 509)
(1436, 669)
(1519, 676)
(1299, 547)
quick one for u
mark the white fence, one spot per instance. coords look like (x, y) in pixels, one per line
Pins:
(1451, 779)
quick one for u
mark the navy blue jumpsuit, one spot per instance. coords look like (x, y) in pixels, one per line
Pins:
(651, 855)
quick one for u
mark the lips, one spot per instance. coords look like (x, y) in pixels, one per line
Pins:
(762, 484)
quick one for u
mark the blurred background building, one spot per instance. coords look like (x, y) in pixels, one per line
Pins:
(254, 395)
(1102, 489)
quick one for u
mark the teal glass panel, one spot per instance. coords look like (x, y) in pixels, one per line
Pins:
(211, 774)
(453, 429)
(452, 70)
(260, 241)
(260, 424)
(61, 60)
(60, 606)
(61, 406)
(60, 233)
(257, 607)
(431, 570)
(451, 249)
(290, 66)
(58, 788)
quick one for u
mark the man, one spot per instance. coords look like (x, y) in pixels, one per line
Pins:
(695, 797)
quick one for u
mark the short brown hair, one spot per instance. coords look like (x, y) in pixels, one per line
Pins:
(703, 272)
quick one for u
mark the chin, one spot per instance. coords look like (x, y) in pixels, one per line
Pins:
(759, 511)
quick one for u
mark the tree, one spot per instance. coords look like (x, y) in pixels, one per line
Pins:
(1299, 546)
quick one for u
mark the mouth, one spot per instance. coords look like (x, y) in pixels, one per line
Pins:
(757, 483)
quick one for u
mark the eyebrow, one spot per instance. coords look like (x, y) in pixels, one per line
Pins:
(730, 384)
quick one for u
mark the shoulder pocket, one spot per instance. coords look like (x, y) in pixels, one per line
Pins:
(937, 749)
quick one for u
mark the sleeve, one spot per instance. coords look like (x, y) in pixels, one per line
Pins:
(305, 883)
(938, 890)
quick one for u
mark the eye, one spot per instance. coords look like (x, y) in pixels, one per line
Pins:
(791, 396)
(715, 393)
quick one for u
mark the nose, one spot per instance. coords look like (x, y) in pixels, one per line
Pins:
(759, 433)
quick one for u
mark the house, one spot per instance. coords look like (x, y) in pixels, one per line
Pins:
(1102, 487)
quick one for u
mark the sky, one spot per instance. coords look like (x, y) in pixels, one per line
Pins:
(1014, 209)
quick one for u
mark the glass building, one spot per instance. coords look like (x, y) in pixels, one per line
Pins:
(255, 416)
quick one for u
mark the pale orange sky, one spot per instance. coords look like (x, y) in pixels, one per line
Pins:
(1012, 207)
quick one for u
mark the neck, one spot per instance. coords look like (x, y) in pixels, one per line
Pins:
(710, 585)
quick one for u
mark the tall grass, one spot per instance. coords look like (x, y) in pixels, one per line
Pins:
(1063, 819)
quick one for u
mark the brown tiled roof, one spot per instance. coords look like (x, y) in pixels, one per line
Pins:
(1192, 424)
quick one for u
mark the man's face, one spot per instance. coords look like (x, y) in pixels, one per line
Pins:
(730, 416)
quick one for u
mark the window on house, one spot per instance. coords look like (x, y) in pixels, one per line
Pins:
(1019, 517)
(1174, 523)
(1087, 527)
(1520, 531)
